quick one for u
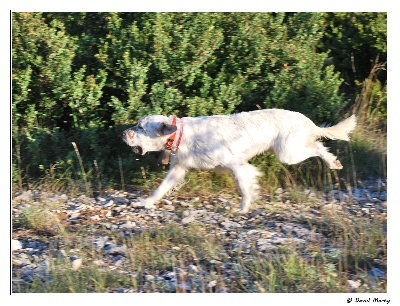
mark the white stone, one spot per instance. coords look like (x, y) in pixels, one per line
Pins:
(16, 245)
(212, 284)
(354, 284)
(76, 263)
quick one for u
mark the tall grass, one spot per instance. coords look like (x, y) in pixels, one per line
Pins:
(351, 248)
(87, 184)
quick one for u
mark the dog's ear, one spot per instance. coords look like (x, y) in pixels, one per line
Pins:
(166, 129)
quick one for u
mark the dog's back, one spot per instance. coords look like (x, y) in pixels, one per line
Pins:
(243, 135)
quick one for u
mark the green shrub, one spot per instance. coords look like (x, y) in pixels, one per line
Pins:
(84, 77)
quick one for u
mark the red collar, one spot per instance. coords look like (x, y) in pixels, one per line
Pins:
(171, 138)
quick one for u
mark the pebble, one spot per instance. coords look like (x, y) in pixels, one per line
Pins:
(149, 278)
(212, 284)
(76, 262)
(16, 245)
(354, 284)
(115, 249)
(259, 231)
(188, 219)
(192, 269)
(167, 202)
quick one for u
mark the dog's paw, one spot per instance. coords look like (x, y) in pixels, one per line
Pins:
(336, 165)
(241, 210)
(149, 206)
(143, 204)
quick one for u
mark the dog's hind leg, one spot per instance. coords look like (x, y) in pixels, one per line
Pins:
(246, 179)
(330, 159)
(175, 175)
(294, 153)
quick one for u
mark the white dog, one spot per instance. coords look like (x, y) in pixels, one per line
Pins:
(227, 142)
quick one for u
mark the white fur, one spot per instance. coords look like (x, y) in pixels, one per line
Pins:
(227, 142)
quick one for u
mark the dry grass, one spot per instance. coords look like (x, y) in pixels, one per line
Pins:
(353, 245)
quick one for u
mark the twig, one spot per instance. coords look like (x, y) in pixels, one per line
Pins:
(87, 185)
(98, 177)
(121, 172)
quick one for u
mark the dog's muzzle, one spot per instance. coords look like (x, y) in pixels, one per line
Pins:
(137, 150)
(129, 134)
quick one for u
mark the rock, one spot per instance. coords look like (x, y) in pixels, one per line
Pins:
(377, 272)
(124, 290)
(252, 232)
(383, 196)
(184, 204)
(261, 233)
(76, 262)
(137, 204)
(332, 207)
(98, 262)
(27, 273)
(374, 274)
(25, 196)
(115, 249)
(128, 224)
(230, 225)
(21, 261)
(188, 219)
(16, 245)
(354, 284)
(167, 202)
(58, 253)
(212, 284)
(192, 269)
(279, 191)
(149, 278)
(74, 216)
(186, 213)
(198, 213)
(41, 272)
(365, 210)
(100, 242)
(278, 240)
(169, 207)
(264, 245)
(109, 203)
(256, 212)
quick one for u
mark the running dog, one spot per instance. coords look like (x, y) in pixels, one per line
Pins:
(227, 142)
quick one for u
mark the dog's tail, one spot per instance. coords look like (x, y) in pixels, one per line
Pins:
(339, 131)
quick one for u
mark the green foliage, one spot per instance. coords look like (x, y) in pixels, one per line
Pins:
(353, 41)
(82, 77)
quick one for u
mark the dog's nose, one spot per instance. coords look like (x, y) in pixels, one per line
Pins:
(129, 133)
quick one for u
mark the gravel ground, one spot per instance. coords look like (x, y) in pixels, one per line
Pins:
(277, 220)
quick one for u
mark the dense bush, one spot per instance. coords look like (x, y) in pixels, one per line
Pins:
(84, 77)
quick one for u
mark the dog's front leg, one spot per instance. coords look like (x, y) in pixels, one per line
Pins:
(246, 179)
(175, 175)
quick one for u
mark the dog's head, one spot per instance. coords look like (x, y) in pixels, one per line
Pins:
(150, 134)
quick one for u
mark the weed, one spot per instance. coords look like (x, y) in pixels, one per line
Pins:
(40, 218)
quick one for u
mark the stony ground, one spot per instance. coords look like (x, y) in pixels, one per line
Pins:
(277, 221)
